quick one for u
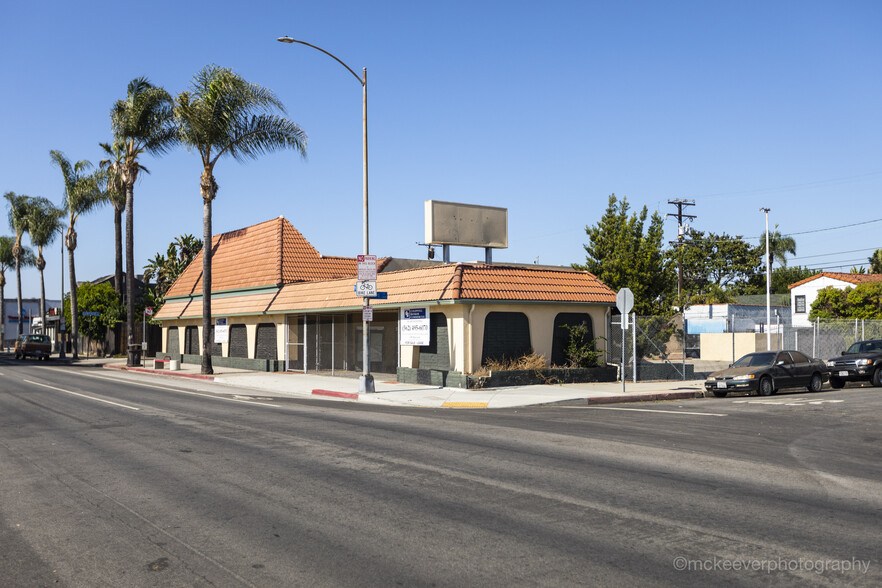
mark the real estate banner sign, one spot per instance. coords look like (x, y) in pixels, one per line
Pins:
(414, 326)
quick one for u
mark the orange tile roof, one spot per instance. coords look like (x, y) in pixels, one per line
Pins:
(452, 282)
(270, 253)
(845, 277)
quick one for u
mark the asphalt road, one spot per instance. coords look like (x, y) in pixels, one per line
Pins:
(110, 479)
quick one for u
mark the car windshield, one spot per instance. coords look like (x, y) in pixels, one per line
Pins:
(755, 360)
(865, 347)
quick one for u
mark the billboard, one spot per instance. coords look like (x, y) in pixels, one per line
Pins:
(469, 225)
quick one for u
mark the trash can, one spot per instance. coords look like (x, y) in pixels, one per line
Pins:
(173, 365)
(134, 354)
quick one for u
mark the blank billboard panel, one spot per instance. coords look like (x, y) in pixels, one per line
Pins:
(470, 225)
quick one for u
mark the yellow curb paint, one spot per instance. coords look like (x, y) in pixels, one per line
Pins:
(464, 405)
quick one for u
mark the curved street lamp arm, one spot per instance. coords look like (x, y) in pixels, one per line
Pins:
(287, 39)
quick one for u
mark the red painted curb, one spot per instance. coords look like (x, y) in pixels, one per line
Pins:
(642, 397)
(320, 392)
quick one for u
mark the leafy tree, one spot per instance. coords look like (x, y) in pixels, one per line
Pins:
(621, 255)
(101, 298)
(222, 114)
(580, 348)
(82, 194)
(20, 209)
(864, 301)
(714, 263)
(143, 122)
(876, 262)
(45, 224)
(782, 277)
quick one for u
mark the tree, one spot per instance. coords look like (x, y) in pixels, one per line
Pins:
(713, 264)
(876, 262)
(143, 122)
(864, 301)
(620, 255)
(116, 193)
(779, 246)
(44, 225)
(224, 115)
(165, 269)
(100, 298)
(20, 208)
(82, 194)
(7, 260)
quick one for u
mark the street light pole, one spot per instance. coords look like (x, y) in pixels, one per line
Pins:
(61, 318)
(768, 284)
(366, 381)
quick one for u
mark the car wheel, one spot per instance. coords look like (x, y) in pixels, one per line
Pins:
(816, 383)
(877, 377)
(720, 393)
(765, 386)
(837, 383)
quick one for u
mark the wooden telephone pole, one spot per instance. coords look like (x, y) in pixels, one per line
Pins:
(682, 231)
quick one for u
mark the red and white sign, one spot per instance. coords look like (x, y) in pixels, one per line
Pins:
(148, 311)
(367, 313)
(367, 268)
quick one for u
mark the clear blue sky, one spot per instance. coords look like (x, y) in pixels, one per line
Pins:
(541, 107)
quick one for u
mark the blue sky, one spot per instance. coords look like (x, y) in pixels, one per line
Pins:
(544, 108)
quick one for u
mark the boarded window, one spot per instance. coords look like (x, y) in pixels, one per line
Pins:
(192, 345)
(436, 355)
(216, 348)
(265, 342)
(506, 336)
(238, 341)
(561, 335)
(172, 344)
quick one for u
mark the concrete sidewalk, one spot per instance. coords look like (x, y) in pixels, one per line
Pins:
(290, 384)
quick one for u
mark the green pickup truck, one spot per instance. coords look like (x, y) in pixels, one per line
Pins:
(39, 346)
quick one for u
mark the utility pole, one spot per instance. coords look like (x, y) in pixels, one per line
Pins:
(682, 231)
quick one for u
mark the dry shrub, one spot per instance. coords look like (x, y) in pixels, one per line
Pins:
(533, 361)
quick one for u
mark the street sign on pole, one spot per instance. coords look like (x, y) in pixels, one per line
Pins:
(367, 313)
(367, 268)
(624, 302)
(366, 289)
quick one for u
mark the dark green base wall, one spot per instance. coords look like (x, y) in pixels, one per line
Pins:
(506, 378)
(242, 363)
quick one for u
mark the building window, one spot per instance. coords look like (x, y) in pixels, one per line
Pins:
(506, 336)
(799, 301)
(265, 342)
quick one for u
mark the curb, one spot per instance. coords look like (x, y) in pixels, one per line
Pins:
(349, 395)
(655, 396)
(158, 372)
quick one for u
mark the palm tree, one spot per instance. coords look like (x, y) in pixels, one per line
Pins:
(144, 122)
(223, 114)
(779, 246)
(82, 194)
(20, 208)
(45, 224)
(6, 261)
(116, 193)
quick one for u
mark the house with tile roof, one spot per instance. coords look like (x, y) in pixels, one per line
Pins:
(288, 307)
(804, 292)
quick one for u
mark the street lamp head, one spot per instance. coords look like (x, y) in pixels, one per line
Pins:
(285, 39)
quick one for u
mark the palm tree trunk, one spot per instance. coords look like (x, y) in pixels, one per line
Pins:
(118, 272)
(130, 273)
(2, 309)
(206, 285)
(74, 323)
(18, 281)
(43, 297)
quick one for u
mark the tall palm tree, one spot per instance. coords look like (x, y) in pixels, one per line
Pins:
(144, 122)
(20, 208)
(222, 114)
(45, 224)
(779, 247)
(6, 261)
(116, 193)
(82, 194)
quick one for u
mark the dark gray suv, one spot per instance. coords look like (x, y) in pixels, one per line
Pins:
(862, 362)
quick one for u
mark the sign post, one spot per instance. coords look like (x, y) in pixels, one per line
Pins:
(624, 302)
(366, 266)
(148, 311)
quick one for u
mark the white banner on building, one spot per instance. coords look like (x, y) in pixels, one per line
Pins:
(221, 330)
(414, 326)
